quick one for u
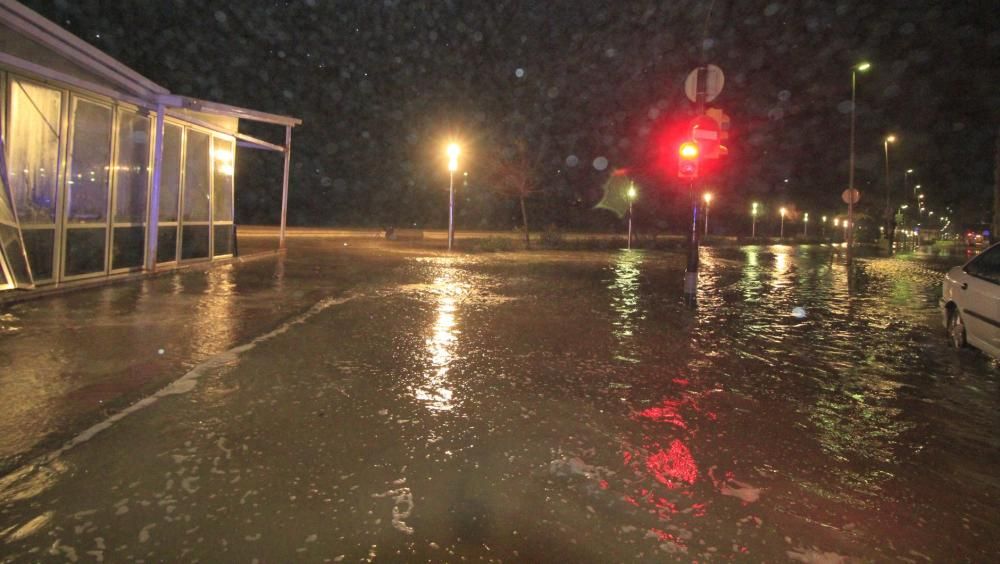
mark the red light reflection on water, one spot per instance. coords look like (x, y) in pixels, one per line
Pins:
(675, 464)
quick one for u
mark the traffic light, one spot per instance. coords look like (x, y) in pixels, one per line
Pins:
(687, 164)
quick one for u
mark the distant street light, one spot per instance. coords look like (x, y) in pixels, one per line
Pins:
(805, 225)
(631, 198)
(888, 206)
(783, 211)
(753, 228)
(860, 67)
(453, 152)
(708, 203)
(824, 226)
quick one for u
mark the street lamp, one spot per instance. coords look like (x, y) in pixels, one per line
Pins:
(824, 226)
(783, 211)
(631, 197)
(888, 207)
(453, 151)
(753, 228)
(805, 225)
(860, 67)
(708, 203)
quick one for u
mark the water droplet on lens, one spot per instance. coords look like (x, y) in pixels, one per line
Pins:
(799, 312)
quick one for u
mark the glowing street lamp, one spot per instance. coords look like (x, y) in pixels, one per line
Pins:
(824, 226)
(631, 198)
(452, 151)
(708, 202)
(753, 228)
(888, 206)
(783, 211)
(860, 67)
(805, 225)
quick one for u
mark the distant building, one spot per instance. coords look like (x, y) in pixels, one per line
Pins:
(105, 173)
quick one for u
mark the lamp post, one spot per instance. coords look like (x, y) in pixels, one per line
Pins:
(753, 228)
(453, 151)
(783, 211)
(860, 67)
(631, 198)
(824, 227)
(805, 225)
(708, 202)
(889, 219)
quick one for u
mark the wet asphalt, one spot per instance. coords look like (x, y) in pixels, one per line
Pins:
(368, 401)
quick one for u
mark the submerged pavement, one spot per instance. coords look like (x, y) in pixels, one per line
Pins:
(361, 402)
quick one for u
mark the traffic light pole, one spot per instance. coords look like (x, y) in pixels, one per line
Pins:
(691, 273)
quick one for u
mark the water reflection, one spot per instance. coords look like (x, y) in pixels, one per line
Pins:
(213, 328)
(625, 301)
(436, 391)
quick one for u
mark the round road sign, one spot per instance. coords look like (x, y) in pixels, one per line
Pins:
(851, 196)
(714, 80)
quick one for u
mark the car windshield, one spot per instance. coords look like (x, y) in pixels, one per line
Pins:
(986, 265)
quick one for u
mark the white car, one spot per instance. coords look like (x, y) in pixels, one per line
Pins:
(970, 302)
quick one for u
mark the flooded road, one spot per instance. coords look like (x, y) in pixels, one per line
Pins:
(346, 404)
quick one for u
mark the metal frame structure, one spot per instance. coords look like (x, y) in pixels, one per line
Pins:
(80, 74)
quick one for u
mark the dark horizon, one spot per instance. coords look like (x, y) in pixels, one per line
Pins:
(380, 88)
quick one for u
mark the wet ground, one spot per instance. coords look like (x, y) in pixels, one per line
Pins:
(363, 402)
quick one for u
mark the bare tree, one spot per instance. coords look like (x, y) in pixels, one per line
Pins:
(515, 175)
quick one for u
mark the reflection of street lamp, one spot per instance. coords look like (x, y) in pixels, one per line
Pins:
(888, 206)
(753, 228)
(783, 211)
(631, 197)
(805, 225)
(453, 151)
(862, 67)
(708, 203)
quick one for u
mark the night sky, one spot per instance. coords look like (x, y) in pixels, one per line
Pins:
(382, 84)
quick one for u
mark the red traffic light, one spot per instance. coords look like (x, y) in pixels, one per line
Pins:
(689, 150)
(687, 164)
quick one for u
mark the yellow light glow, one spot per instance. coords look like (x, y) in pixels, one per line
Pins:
(783, 211)
(453, 150)
(890, 139)
(631, 192)
(863, 66)
(708, 197)
(689, 150)
(806, 218)
(453, 164)
(836, 222)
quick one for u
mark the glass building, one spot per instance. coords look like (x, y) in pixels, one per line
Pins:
(105, 173)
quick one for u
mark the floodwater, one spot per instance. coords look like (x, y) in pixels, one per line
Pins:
(364, 402)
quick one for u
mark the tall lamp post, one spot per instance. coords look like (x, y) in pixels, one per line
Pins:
(631, 198)
(708, 203)
(753, 228)
(860, 67)
(805, 225)
(889, 219)
(824, 227)
(453, 151)
(783, 211)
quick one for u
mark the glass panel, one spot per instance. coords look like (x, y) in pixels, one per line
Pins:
(197, 174)
(132, 170)
(166, 245)
(87, 183)
(223, 159)
(194, 242)
(170, 174)
(85, 250)
(14, 254)
(33, 151)
(3, 279)
(223, 240)
(38, 243)
(127, 247)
